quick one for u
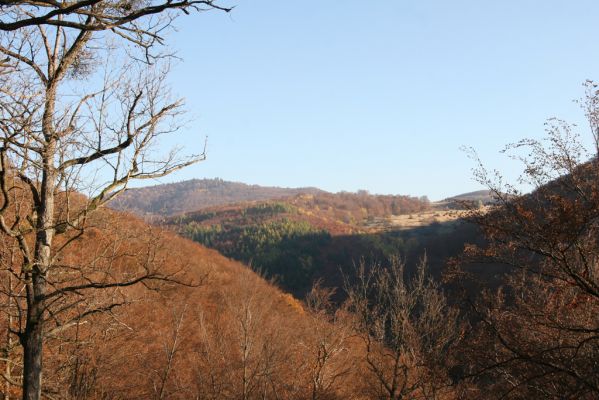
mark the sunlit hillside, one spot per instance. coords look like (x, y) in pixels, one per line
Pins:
(209, 328)
(187, 196)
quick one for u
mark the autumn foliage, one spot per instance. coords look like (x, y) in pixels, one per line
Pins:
(535, 335)
(214, 329)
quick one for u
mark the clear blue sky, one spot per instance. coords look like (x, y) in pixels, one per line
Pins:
(377, 95)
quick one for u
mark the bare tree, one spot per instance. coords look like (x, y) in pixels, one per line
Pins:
(327, 344)
(408, 330)
(242, 352)
(255, 352)
(538, 333)
(210, 368)
(171, 348)
(9, 357)
(124, 17)
(83, 103)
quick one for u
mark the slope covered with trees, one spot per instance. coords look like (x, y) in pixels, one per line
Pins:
(300, 240)
(536, 336)
(213, 329)
(188, 196)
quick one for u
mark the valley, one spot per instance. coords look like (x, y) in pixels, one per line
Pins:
(118, 285)
(306, 238)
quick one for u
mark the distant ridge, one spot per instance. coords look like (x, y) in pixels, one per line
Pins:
(192, 195)
(486, 196)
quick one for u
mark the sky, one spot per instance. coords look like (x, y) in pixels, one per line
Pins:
(377, 95)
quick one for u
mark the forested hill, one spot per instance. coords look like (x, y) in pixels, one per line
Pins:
(192, 330)
(303, 239)
(187, 196)
(300, 238)
(338, 213)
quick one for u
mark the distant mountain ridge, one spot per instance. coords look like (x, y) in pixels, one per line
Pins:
(486, 196)
(182, 197)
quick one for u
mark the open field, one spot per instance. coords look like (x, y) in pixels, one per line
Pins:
(415, 220)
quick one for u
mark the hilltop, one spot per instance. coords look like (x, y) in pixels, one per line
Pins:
(486, 196)
(191, 195)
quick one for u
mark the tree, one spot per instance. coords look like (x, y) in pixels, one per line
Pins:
(171, 348)
(245, 349)
(538, 332)
(120, 16)
(83, 103)
(408, 330)
(327, 344)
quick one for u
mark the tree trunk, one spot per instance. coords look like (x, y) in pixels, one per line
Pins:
(9, 339)
(33, 337)
(33, 347)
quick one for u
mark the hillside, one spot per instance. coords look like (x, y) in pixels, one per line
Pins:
(137, 312)
(178, 341)
(178, 198)
(298, 241)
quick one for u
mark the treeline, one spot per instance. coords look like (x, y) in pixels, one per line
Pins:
(340, 212)
(356, 208)
(192, 195)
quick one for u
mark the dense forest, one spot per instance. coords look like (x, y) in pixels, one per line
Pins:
(307, 238)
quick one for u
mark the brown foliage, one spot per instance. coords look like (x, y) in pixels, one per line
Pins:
(537, 334)
(234, 336)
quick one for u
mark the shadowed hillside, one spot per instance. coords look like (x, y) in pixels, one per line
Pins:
(301, 240)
